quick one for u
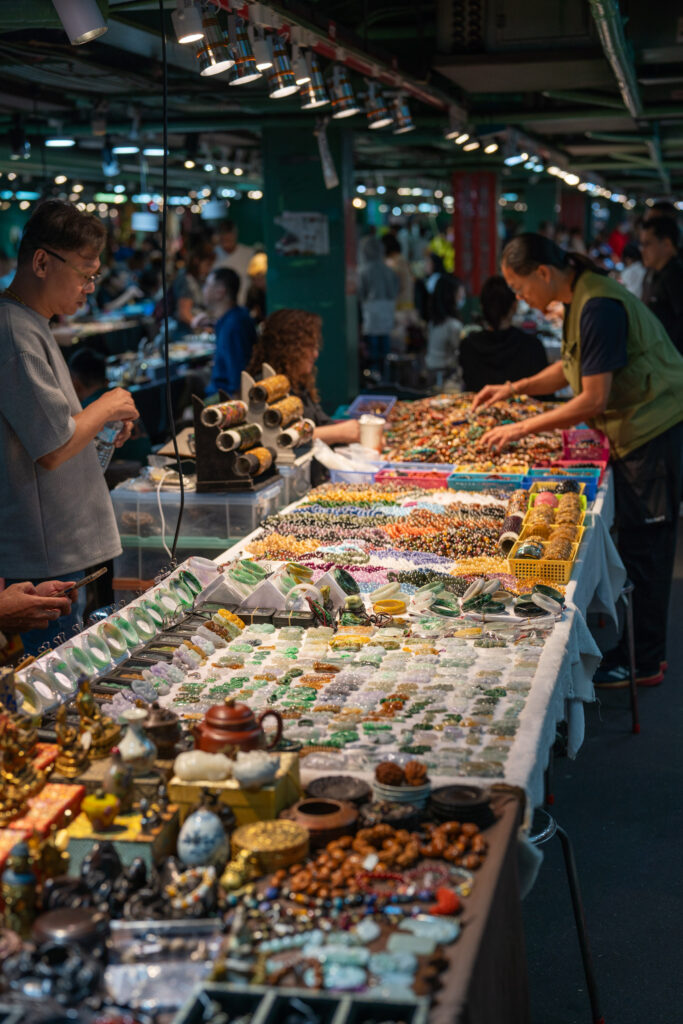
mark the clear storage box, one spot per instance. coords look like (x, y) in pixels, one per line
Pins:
(210, 524)
(297, 480)
(209, 520)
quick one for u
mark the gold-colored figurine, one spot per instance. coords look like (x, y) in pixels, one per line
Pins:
(104, 731)
(72, 758)
(240, 870)
(19, 778)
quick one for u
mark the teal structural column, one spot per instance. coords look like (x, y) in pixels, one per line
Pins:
(321, 282)
(542, 201)
(247, 215)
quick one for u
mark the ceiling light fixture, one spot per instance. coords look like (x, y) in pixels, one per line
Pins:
(491, 148)
(189, 165)
(214, 55)
(153, 151)
(461, 139)
(261, 50)
(81, 19)
(313, 93)
(60, 142)
(469, 147)
(299, 65)
(224, 169)
(60, 179)
(125, 149)
(187, 22)
(245, 69)
(454, 126)
(281, 81)
(403, 121)
(375, 108)
(208, 168)
(343, 101)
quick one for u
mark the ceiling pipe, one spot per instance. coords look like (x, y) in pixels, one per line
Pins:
(591, 99)
(610, 26)
(616, 137)
(518, 116)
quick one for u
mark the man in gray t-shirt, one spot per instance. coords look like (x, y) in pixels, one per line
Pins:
(56, 517)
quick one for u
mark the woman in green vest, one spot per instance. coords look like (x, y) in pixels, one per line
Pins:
(627, 379)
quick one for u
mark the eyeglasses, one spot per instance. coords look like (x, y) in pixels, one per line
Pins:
(86, 278)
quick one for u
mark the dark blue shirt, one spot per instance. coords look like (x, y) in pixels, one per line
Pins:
(235, 338)
(604, 331)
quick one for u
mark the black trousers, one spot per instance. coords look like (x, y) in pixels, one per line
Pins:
(648, 489)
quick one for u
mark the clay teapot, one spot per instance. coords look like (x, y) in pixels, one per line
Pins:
(232, 726)
(163, 728)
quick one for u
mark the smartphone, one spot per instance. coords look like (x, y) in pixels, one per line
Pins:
(86, 579)
(104, 442)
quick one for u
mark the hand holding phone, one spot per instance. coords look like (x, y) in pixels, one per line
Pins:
(86, 579)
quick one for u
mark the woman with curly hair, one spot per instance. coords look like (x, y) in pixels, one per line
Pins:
(290, 340)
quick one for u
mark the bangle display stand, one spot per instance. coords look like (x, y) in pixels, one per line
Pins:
(278, 438)
(216, 469)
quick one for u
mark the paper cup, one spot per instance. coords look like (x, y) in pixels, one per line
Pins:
(372, 432)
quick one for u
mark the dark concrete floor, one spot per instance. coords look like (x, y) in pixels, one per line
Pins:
(621, 802)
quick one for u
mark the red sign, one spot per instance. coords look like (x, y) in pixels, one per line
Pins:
(475, 227)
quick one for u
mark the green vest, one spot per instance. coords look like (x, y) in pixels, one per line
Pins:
(646, 397)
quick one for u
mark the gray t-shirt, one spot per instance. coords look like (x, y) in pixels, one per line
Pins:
(56, 521)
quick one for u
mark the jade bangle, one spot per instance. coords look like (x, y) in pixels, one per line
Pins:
(168, 601)
(154, 610)
(142, 623)
(79, 661)
(384, 592)
(127, 629)
(113, 638)
(190, 581)
(97, 649)
(182, 592)
(61, 674)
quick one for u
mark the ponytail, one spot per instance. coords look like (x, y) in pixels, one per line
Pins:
(525, 252)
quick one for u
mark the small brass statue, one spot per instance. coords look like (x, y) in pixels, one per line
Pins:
(72, 759)
(104, 732)
(19, 778)
(240, 870)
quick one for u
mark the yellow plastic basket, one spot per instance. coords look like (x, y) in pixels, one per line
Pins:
(548, 569)
(527, 530)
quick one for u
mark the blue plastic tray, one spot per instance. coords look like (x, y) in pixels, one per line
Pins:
(485, 481)
(376, 405)
(589, 477)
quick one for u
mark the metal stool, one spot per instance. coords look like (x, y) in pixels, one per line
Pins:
(627, 597)
(543, 828)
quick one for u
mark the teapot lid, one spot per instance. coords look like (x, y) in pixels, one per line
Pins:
(231, 712)
(159, 716)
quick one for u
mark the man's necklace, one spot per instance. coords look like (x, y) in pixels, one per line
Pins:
(13, 295)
